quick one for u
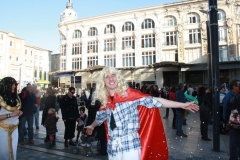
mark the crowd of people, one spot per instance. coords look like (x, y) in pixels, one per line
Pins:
(117, 114)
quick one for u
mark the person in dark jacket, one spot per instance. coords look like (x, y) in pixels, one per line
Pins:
(179, 97)
(50, 100)
(205, 108)
(51, 126)
(29, 108)
(101, 133)
(70, 115)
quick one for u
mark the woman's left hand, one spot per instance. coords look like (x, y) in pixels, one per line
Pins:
(191, 106)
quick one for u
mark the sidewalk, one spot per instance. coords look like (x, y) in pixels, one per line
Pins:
(180, 148)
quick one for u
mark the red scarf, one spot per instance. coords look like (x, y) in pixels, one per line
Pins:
(151, 132)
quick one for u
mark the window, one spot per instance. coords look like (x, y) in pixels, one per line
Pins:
(11, 43)
(92, 32)
(148, 41)
(109, 29)
(16, 59)
(63, 64)
(194, 36)
(10, 58)
(221, 15)
(92, 61)
(62, 37)
(128, 26)
(128, 60)
(222, 33)
(169, 55)
(148, 23)
(239, 14)
(25, 52)
(1, 36)
(223, 53)
(110, 60)
(169, 38)
(128, 42)
(192, 55)
(76, 63)
(148, 58)
(18, 45)
(26, 61)
(77, 34)
(55, 57)
(93, 47)
(31, 53)
(169, 21)
(63, 50)
(192, 18)
(40, 57)
(109, 45)
(76, 48)
(55, 66)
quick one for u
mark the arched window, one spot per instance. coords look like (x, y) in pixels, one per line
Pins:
(62, 37)
(77, 34)
(169, 21)
(109, 29)
(92, 32)
(221, 15)
(148, 23)
(128, 26)
(192, 18)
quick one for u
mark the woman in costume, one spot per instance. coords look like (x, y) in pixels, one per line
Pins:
(9, 113)
(134, 125)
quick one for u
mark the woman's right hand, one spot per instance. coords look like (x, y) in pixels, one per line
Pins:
(16, 113)
(89, 130)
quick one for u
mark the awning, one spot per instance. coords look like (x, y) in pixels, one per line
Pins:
(43, 82)
(201, 67)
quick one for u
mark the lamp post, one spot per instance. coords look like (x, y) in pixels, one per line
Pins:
(213, 28)
(213, 68)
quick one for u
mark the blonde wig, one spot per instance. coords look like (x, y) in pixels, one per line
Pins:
(101, 92)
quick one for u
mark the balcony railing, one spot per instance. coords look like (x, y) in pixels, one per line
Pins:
(193, 41)
(169, 43)
(222, 39)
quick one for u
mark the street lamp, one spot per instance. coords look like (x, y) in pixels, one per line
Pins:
(213, 61)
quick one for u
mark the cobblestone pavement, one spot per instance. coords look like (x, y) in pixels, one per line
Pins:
(180, 148)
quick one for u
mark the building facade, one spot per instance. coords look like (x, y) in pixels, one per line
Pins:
(55, 66)
(159, 44)
(25, 63)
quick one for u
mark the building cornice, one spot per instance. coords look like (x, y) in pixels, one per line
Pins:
(133, 11)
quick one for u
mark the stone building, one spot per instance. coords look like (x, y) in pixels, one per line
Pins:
(26, 63)
(159, 44)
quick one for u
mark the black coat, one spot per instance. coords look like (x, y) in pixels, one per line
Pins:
(92, 111)
(51, 123)
(49, 103)
(69, 108)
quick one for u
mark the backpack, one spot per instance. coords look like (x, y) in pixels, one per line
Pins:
(234, 115)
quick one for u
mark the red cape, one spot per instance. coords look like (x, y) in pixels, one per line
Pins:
(151, 132)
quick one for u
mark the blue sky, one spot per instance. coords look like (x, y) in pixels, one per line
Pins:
(36, 20)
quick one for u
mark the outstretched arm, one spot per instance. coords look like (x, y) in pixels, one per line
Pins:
(172, 104)
(89, 129)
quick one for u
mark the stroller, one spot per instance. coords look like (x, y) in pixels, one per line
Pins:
(89, 150)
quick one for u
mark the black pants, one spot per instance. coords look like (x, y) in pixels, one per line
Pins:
(69, 129)
(204, 117)
(174, 118)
